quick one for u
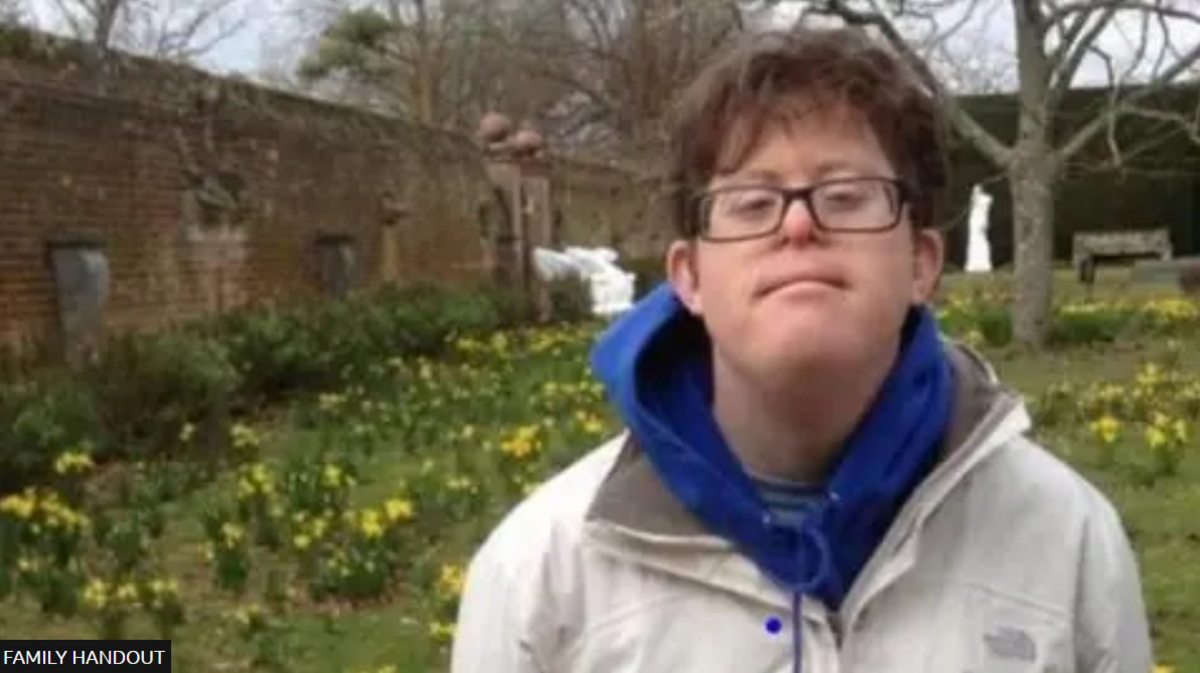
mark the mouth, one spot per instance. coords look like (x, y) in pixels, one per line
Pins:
(802, 284)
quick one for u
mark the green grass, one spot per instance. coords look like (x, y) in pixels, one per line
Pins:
(324, 640)
(1111, 281)
(1161, 519)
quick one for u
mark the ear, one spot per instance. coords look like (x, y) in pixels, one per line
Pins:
(929, 257)
(681, 272)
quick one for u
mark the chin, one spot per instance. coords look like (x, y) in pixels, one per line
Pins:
(816, 347)
(797, 322)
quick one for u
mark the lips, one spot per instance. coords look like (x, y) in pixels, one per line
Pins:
(786, 282)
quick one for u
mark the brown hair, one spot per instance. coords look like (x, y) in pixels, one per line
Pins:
(721, 115)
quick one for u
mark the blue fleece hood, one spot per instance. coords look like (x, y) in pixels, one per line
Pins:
(655, 363)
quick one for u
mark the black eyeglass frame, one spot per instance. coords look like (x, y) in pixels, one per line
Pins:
(702, 203)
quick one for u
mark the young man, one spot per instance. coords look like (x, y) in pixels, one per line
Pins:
(812, 479)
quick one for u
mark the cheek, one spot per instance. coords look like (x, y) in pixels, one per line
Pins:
(886, 273)
(725, 288)
(722, 274)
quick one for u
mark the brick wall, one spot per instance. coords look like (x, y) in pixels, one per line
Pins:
(134, 155)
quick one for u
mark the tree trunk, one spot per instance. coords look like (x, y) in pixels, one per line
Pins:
(1031, 179)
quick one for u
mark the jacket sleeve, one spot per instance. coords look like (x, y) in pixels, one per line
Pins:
(1113, 633)
(491, 634)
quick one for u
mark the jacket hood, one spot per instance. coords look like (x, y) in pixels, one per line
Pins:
(655, 363)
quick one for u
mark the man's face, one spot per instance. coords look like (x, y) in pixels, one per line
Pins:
(803, 298)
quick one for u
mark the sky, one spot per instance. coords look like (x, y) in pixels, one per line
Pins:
(243, 52)
(981, 46)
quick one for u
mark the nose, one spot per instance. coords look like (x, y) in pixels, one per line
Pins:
(798, 223)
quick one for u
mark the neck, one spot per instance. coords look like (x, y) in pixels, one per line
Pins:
(795, 432)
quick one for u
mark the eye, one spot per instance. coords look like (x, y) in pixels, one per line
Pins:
(746, 202)
(847, 195)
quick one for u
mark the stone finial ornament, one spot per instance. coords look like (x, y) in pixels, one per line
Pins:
(527, 142)
(494, 128)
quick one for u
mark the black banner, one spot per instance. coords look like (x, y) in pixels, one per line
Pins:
(152, 656)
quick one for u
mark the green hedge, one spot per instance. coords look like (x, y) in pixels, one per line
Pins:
(143, 392)
(136, 398)
(987, 320)
(650, 271)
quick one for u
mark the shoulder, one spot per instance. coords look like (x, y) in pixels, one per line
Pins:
(1111, 618)
(1031, 479)
(1022, 506)
(1028, 529)
(1056, 520)
(1036, 499)
(536, 539)
(553, 513)
(509, 613)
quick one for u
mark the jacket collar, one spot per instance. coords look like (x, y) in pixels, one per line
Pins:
(633, 498)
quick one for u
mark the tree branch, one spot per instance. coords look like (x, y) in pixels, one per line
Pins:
(1127, 103)
(1063, 12)
(1068, 56)
(990, 146)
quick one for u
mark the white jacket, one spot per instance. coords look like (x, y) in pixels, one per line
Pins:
(1004, 559)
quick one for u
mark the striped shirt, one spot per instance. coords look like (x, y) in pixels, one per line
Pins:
(789, 501)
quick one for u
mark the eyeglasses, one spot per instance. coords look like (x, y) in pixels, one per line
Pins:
(852, 205)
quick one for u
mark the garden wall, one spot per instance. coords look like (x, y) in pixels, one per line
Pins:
(207, 194)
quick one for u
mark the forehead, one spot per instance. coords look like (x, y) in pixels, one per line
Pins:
(805, 138)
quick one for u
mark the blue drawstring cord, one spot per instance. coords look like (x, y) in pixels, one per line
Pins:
(797, 632)
(824, 568)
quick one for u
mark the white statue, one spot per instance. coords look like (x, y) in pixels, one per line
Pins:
(611, 287)
(979, 250)
(552, 265)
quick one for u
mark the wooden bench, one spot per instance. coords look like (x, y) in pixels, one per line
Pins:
(1091, 248)
(1183, 272)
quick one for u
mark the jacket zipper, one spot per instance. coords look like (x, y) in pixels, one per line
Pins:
(826, 645)
(835, 628)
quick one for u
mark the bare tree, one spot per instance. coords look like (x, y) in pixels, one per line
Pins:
(170, 29)
(1053, 40)
(12, 12)
(586, 72)
(621, 61)
(408, 56)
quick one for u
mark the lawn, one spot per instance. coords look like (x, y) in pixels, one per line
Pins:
(337, 542)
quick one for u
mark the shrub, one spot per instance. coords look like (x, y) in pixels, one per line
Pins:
(148, 388)
(173, 394)
(1088, 324)
(271, 349)
(988, 318)
(39, 419)
(313, 347)
(977, 319)
(650, 272)
(570, 300)
(421, 317)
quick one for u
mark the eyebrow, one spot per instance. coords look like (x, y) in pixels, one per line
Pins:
(823, 169)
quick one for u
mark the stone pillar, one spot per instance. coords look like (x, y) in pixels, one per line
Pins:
(389, 238)
(514, 165)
